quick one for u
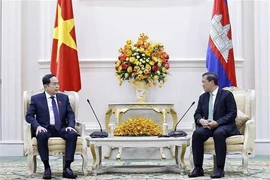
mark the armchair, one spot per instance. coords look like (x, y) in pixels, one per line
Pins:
(56, 144)
(239, 144)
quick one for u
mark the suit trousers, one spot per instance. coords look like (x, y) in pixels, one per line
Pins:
(69, 136)
(200, 135)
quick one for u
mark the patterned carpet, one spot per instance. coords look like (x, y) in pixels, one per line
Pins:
(16, 168)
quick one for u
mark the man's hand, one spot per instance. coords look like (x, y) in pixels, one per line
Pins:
(40, 129)
(213, 124)
(205, 123)
(70, 129)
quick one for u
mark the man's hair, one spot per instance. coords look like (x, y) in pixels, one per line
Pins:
(46, 79)
(210, 76)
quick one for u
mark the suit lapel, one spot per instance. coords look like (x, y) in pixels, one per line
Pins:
(45, 103)
(217, 100)
(208, 98)
(59, 103)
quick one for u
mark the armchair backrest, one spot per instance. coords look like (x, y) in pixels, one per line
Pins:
(245, 101)
(72, 95)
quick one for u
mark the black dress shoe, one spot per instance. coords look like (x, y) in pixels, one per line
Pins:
(47, 174)
(68, 173)
(219, 173)
(196, 172)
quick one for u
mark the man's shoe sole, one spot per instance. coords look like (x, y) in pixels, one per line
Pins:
(196, 176)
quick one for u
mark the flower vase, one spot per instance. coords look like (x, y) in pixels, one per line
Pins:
(141, 90)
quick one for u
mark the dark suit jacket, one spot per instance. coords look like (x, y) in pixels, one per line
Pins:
(225, 110)
(38, 112)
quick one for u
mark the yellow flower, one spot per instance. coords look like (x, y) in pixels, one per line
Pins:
(139, 42)
(136, 68)
(146, 71)
(129, 42)
(138, 126)
(165, 79)
(132, 59)
(141, 50)
(128, 53)
(156, 77)
(148, 67)
(164, 69)
(129, 69)
(117, 63)
(127, 47)
(148, 53)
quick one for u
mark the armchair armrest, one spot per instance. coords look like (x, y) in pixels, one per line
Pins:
(249, 136)
(194, 126)
(27, 136)
(80, 128)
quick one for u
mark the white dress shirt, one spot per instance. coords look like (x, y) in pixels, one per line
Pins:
(49, 102)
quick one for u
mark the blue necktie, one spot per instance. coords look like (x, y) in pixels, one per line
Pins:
(56, 114)
(210, 107)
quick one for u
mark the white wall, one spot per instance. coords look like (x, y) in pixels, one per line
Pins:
(262, 83)
(0, 67)
(102, 27)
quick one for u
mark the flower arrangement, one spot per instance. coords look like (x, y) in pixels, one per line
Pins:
(143, 61)
(138, 126)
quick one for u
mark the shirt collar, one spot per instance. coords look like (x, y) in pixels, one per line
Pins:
(214, 93)
(49, 96)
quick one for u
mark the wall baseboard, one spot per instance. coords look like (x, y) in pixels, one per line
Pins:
(11, 148)
(262, 147)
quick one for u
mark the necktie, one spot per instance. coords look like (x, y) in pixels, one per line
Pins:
(56, 114)
(210, 107)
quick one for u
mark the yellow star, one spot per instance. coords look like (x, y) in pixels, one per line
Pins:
(62, 32)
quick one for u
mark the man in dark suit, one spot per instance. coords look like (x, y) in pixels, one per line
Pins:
(51, 115)
(215, 115)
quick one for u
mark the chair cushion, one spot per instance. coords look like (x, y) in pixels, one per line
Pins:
(56, 141)
(237, 139)
(241, 119)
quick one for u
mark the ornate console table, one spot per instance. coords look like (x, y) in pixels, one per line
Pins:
(96, 144)
(119, 109)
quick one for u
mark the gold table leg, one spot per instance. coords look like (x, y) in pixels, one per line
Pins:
(93, 152)
(179, 157)
(174, 116)
(107, 119)
(107, 122)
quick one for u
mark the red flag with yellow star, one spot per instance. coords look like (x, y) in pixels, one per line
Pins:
(64, 60)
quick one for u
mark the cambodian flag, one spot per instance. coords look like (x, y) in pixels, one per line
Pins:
(220, 58)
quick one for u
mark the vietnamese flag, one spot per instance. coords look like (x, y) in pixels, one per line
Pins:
(64, 60)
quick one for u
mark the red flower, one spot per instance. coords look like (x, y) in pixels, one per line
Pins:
(155, 68)
(124, 66)
(122, 57)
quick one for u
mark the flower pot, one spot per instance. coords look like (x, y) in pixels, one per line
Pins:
(141, 91)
